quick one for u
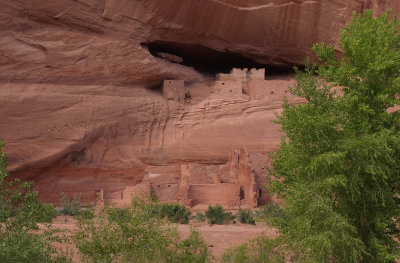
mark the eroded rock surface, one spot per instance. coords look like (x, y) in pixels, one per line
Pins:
(82, 105)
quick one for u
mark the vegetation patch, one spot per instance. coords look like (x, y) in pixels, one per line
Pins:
(134, 234)
(260, 249)
(71, 206)
(338, 165)
(20, 213)
(176, 213)
(199, 217)
(217, 215)
(246, 217)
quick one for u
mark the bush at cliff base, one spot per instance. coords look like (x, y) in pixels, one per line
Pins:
(134, 234)
(217, 215)
(339, 163)
(20, 213)
(259, 249)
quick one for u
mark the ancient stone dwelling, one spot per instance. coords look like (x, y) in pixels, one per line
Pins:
(173, 90)
(195, 184)
(232, 85)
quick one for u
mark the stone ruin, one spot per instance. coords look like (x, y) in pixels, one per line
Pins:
(197, 185)
(231, 85)
(173, 90)
(242, 74)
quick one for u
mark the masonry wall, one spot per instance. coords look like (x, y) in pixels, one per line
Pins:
(257, 74)
(236, 73)
(242, 170)
(165, 182)
(212, 194)
(227, 89)
(174, 90)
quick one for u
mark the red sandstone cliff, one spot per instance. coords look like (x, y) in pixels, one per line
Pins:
(78, 105)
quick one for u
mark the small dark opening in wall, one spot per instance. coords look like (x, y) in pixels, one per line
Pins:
(259, 192)
(188, 96)
(241, 193)
(169, 185)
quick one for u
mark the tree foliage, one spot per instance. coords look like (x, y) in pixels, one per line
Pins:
(135, 234)
(20, 213)
(258, 250)
(339, 163)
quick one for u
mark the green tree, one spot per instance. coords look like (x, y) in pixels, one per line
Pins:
(20, 213)
(258, 250)
(338, 165)
(136, 234)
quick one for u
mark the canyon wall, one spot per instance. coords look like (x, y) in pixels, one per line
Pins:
(82, 100)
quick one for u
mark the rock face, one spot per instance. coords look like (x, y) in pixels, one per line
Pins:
(84, 105)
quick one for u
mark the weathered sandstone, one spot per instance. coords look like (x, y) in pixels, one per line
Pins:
(82, 100)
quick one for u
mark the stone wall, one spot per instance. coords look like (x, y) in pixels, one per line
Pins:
(256, 74)
(174, 90)
(227, 89)
(192, 184)
(242, 74)
(213, 194)
(242, 169)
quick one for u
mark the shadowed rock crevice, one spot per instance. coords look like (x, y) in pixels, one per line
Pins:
(206, 60)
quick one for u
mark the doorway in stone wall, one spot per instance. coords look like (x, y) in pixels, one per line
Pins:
(241, 192)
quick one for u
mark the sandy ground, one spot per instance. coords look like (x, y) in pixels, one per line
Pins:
(218, 237)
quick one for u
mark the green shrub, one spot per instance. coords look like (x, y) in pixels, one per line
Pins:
(199, 216)
(272, 214)
(245, 217)
(260, 249)
(20, 213)
(133, 234)
(118, 215)
(217, 215)
(193, 249)
(72, 206)
(176, 213)
(86, 214)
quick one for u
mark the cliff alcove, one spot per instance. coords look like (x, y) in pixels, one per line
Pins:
(208, 61)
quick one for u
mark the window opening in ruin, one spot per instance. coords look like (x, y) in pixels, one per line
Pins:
(259, 192)
(169, 185)
(188, 96)
(241, 192)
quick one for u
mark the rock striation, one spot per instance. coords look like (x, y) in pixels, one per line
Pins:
(85, 105)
